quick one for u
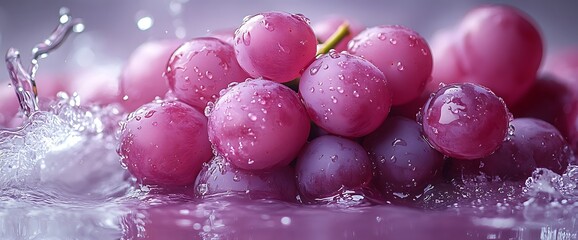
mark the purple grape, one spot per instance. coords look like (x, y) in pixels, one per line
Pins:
(531, 144)
(330, 164)
(403, 160)
(548, 100)
(220, 177)
(275, 45)
(165, 143)
(465, 121)
(496, 46)
(549, 149)
(401, 54)
(345, 95)
(564, 66)
(258, 124)
(200, 68)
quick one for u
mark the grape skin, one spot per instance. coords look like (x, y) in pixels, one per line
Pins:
(252, 119)
(345, 95)
(220, 177)
(403, 161)
(275, 45)
(401, 54)
(330, 164)
(496, 46)
(165, 143)
(465, 121)
(200, 68)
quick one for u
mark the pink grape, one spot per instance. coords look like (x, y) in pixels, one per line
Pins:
(220, 177)
(165, 143)
(326, 27)
(275, 45)
(465, 121)
(330, 164)
(258, 124)
(200, 68)
(344, 94)
(401, 54)
(403, 160)
(496, 46)
(142, 78)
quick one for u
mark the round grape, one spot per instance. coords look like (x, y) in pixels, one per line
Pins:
(345, 94)
(496, 46)
(401, 54)
(258, 124)
(330, 164)
(200, 68)
(403, 160)
(465, 121)
(275, 45)
(165, 143)
(142, 79)
(220, 177)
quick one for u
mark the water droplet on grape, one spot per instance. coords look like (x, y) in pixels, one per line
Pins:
(355, 93)
(312, 89)
(209, 108)
(268, 25)
(392, 41)
(399, 142)
(209, 76)
(333, 158)
(150, 113)
(340, 90)
(333, 99)
(202, 189)
(252, 116)
(250, 161)
(246, 36)
(400, 66)
(424, 52)
(381, 36)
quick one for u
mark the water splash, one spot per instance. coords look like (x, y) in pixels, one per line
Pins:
(24, 81)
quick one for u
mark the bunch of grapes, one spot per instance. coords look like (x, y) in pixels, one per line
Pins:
(268, 112)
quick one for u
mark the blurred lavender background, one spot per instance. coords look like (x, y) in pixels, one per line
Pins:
(114, 28)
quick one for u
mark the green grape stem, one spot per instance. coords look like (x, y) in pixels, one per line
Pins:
(335, 38)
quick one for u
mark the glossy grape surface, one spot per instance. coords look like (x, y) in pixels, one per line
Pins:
(258, 124)
(330, 164)
(401, 54)
(219, 177)
(465, 121)
(165, 143)
(200, 68)
(275, 45)
(345, 94)
(403, 160)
